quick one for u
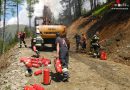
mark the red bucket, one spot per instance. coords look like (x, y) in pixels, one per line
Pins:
(103, 55)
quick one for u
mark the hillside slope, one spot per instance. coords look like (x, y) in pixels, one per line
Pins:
(10, 31)
(114, 28)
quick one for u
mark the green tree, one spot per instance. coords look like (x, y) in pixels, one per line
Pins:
(31, 10)
(8, 4)
(72, 9)
(16, 4)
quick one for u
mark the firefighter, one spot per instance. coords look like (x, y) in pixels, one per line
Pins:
(22, 37)
(62, 54)
(83, 41)
(77, 40)
(95, 47)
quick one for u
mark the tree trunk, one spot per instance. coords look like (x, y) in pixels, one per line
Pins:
(17, 18)
(91, 4)
(0, 10)
(30, 15)
(79, 8)
(95, 4)
(30, 23)
(74, 11)
(3, 44)
(70, 16)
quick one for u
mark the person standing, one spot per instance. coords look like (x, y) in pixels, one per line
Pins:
(77, 40)
(83, 41)
(22, 39)
(62, 54)
(95, 47)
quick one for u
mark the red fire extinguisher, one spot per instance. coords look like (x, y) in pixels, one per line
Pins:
(29, 88)
(45, 61)
(28, 64)
(25, 59)
(35, 61)
(103, 55)
(37, 72)
(38, 87)
(35, 65)
(46, 76)
(58, 66)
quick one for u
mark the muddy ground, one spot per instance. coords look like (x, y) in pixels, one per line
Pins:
(86, 73)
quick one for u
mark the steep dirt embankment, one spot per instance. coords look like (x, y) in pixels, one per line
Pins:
(80, 26)
(114, 32)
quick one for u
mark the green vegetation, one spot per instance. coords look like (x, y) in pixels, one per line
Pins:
(27, 31)
(9, 45)
(102, 9)
(7, 6)
(11, 37)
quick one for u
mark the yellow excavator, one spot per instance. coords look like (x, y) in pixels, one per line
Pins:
(45, 32)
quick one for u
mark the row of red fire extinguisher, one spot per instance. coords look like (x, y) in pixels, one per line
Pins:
(38, 62)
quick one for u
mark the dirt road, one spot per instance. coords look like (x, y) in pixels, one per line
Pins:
(86, 73)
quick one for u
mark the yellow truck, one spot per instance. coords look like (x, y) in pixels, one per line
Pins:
(46, 34)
